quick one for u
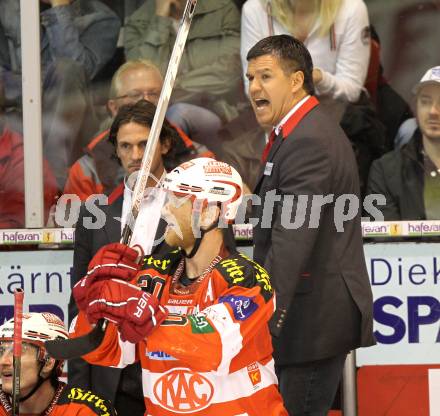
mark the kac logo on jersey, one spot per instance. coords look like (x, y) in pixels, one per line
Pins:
(254, 373)
(183, 391)
(242, 306)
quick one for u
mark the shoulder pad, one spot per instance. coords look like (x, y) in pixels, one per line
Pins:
(101, 407)
(164, 263)
(240, 270)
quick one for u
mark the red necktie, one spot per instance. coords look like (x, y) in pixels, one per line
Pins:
(290, 124)
(268, 146)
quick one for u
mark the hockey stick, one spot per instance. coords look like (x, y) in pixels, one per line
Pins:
(18, 336)
(76, 347)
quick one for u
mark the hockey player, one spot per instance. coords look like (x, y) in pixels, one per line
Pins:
(197, 317)
(41, 393)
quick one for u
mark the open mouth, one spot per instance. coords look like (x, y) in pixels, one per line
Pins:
(261, 103)
(5, 376)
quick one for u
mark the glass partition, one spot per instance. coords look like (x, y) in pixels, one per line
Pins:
(11, 139)
(84, 43)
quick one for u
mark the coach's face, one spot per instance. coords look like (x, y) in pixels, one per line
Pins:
(272, 91)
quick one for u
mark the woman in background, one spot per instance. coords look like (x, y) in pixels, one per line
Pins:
(336, 33)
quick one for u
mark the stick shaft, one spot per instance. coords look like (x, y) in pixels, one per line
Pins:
(18, 320)
(159, 116)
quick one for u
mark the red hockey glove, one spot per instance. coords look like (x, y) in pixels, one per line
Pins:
(137, 313)
(117, 260)
(111, 261)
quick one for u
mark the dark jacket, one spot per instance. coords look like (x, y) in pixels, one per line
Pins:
(324, 299)
(399, 176)
(366, 133)
(85, 32)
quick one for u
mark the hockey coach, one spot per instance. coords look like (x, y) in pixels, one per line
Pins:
(324, 300)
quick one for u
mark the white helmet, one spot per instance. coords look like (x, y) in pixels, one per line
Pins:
(37, 328)
(210, 180)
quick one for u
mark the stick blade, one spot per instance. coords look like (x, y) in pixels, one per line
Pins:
(65, 349)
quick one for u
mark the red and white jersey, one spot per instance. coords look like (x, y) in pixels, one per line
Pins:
(213, 354)
(67, 401)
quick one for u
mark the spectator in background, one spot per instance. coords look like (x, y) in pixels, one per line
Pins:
(392, 110)
(411, 30)
(12, 210)
(78, 37)
(128, 137)
(409, 177)
(205, 94)
(336, 33)
(12, 181)
(313, 263)
(97, 171)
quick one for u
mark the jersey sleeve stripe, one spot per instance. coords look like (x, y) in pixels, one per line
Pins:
(229, 331)
(128, 353)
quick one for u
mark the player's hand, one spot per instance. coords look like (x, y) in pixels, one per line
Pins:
(165, 8)
(55, 3)
(111, 261)
(135, 312)
(317, 76)
(116, 256)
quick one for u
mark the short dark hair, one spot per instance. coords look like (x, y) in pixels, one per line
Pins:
(142, 113)
(291, 52)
